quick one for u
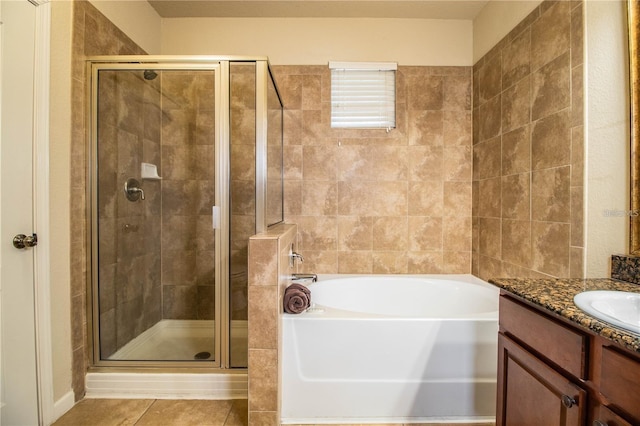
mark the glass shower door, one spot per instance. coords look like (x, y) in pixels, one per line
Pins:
(155, 248)
(242, 194)
(171, 137)
(256, 181)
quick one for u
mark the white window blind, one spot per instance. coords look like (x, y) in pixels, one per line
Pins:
(363, 95)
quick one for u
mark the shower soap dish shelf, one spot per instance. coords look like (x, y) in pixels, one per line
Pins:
(149, 171)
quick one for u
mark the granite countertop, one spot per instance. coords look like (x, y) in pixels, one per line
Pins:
(556, 296)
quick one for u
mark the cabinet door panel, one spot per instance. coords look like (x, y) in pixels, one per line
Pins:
(620, 381)
(532, 393)
(528, 400)
(606, 417)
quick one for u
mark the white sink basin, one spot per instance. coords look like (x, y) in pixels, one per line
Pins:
(619, 308)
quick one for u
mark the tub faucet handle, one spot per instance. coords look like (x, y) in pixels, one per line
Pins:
(297, 256)
(293, 256)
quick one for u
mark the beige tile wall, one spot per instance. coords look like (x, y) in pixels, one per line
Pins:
(269, 274)
(156, 255)
(242, 93)
(368, 201)
(93, 34)
(186, 161)
(528, 148)
(129, 232)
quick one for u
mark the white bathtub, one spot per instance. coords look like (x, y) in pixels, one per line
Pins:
(392, 349)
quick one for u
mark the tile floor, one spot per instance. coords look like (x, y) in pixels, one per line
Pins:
(164, 412)
(158, 412)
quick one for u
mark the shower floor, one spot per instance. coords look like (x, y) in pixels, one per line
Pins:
(181, 340)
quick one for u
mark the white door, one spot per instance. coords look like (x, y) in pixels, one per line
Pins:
(19, 396)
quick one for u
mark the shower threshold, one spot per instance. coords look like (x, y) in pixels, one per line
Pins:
(170, 340)
(224, 384)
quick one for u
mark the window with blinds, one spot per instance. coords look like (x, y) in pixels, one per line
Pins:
(363, 95)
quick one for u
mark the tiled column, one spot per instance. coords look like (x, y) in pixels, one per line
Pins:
(269, 273)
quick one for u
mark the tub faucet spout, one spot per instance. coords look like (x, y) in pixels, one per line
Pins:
(304, 277)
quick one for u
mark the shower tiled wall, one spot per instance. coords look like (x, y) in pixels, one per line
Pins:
(242, 170)
(368, 201)
(129, 247)
(156, 255)
(528, 148)
(93, 34)
(188, 171)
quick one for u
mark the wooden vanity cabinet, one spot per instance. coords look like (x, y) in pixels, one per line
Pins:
(553, 373)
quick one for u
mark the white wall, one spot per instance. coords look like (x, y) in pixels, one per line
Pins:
(495, 21)
(135, 18)
(59, 194)
(607, 133)
(316, 41)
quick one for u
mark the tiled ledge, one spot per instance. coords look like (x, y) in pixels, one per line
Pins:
(269, 273)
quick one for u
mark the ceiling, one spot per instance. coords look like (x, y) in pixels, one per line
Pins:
(425, 9)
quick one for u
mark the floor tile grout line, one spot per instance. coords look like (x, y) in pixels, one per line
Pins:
(228, 412)
(145, 412)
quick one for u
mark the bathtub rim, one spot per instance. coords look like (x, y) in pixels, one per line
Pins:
(317, 312)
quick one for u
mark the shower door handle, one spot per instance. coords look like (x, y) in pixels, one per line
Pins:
(22, 241)
(215, 217)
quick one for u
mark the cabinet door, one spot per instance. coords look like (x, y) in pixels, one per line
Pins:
(532, 393)
(606, 417)
(620, 381)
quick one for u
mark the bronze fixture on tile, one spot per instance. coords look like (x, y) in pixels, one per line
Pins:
(132, 190)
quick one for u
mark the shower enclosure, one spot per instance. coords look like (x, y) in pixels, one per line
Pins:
(185, 165)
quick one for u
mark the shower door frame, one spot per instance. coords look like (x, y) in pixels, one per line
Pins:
(220, 66)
